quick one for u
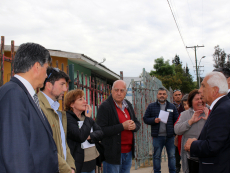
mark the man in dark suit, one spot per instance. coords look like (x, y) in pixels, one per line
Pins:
(226, 73)
(26, 142)
(213, 145)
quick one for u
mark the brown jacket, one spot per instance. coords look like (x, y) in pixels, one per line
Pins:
(65, 166)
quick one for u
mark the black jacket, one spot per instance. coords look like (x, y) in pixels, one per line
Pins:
(76, 135)
(213, 145)
(108, 119)
(153, 111)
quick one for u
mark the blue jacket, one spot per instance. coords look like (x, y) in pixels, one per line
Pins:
(153, 111)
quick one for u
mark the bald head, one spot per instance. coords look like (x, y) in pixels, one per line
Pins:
(118, 82)
(119, 91)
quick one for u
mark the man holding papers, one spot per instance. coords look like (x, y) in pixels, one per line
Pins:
(162, 115)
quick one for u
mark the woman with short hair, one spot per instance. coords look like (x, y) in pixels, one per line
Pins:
(78, 132)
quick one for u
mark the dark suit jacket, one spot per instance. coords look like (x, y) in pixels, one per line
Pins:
(228, 95)
(26, 142)
(213, 144)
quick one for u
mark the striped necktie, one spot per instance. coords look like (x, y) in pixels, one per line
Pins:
(37, 103)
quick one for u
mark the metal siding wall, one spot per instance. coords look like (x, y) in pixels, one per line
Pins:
(144, 92)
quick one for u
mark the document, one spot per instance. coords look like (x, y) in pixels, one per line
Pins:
(163, 115)
(85, 144)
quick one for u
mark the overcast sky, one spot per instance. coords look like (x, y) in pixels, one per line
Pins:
(130, 34)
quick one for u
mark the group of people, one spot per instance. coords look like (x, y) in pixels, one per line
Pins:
(197, 132)
(36, 136)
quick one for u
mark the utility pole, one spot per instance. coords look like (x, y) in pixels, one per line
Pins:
(196, 62)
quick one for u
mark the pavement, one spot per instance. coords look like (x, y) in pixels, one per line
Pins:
(149, 169)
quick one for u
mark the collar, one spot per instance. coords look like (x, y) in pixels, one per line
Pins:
(177, 105)
(214, 102)
(124, 105)
(54, 104)
(228, 90)
(28, 86)
(160, 103)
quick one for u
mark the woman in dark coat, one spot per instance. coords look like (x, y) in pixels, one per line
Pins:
(81, 127)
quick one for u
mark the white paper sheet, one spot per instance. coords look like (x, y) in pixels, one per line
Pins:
(85, 144)
(163, 115)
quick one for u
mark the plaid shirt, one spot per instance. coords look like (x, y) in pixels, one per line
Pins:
(124, 105)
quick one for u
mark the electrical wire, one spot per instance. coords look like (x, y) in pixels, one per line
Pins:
(179, 31)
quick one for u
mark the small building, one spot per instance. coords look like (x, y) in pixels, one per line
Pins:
(85, 73)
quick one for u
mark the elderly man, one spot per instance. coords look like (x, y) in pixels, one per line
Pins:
(162, 133)
(118, 122)
(26, 141)
(213, 145)
(226, 73)
(52, 91)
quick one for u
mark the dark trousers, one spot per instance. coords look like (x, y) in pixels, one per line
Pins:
(193, 166)
(177, 155)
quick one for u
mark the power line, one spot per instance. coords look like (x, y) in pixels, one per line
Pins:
(179, 31)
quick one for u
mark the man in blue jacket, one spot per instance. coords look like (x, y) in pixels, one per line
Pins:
(163, 134)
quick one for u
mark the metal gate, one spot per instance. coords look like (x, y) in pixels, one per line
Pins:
(144, 92)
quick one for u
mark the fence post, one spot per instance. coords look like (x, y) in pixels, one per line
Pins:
(121, 75)
(12, 58)
(2, 60)
(71, 76)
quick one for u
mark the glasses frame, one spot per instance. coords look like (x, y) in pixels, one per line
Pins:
(53, 69)
(176, 90)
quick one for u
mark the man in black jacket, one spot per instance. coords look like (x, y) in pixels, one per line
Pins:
(118, 122)
(163, 134)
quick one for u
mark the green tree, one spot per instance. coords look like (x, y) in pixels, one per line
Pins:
(162, 68)
(176, 61)
(173, 75)
(219, 58)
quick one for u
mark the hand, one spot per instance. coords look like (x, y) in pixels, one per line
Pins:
(128, 124)
(132, 125)
(89, 110)
(188, 144)
(157, 120)
(195, 117)
(206, 111)
(176, 140)
(88, 138)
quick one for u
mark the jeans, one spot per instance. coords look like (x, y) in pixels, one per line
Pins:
(178, 158)
(124, 167)
(158, 144)
(93, 171)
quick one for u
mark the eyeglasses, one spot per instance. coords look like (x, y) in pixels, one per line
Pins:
(176, 90)
(121, 90)
(53, 69)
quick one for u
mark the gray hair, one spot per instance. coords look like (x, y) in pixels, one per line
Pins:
(184, 98)
(218, 79)
(28, 54)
